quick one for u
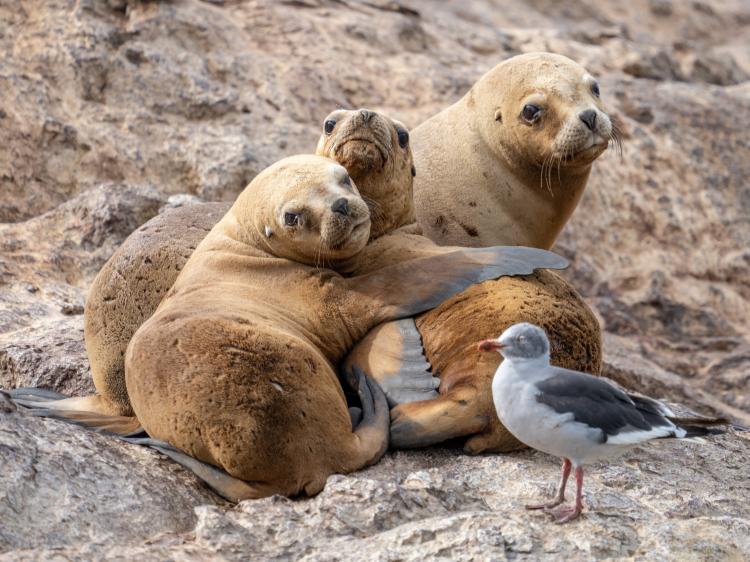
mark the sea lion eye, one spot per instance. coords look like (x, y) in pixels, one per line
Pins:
(291, 219)
(403, 138)
(328, 126)
(595, 89)
(347, 181)
(531, 112)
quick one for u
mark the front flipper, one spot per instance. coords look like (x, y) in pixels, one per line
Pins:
(393, 355)
(418, 285)
(371, 433)
(91, 412)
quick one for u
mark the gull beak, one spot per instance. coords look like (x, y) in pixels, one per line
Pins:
(489, 345)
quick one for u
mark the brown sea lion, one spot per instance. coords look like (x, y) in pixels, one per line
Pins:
(236, 368)
(127, 290)
(376, 151)
(509, 161)
(393, 353)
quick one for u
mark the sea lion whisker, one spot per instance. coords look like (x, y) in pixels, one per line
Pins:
(616, 136)
(549, 175)
(544, 180)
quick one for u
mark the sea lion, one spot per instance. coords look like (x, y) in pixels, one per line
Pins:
(404, 356)
(509, 161)
(127, 290)
(488, 175)
(376, 151)
(236, 366)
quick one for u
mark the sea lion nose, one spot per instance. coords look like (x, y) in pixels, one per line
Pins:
(341, 206)
(589, 118)
(366, 115)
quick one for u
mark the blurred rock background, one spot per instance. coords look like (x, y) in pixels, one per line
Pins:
(109, 108)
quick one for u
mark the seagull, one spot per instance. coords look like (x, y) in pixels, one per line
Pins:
(570, 414)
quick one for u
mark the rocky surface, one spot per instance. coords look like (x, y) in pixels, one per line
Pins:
(62, 486)
(112, 109)
(671, 500)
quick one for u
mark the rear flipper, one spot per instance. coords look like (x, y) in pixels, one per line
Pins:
(19, 395)
(428, 422)
(393, 355)
(91, 412)
(228, 487)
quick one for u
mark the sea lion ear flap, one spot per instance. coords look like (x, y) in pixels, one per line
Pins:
(413, 171)
(498, 116)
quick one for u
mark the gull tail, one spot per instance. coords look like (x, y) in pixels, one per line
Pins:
(700, 426)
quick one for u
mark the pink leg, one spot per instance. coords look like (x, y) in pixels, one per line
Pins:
(566, 514)
(560, 497)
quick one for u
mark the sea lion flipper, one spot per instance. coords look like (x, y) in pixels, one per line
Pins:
(355, 415)
(371, 434)
(393, 355)
(418, 285)
(33, 394)
(428, 422)
(228, 487)
(91, 412)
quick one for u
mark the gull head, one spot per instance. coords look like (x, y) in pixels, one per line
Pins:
(521, 341)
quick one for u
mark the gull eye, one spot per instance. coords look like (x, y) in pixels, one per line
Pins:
(595, 89)
(403, 138)
(531, 112)
(521, 339)
(291, 219)
(328, 126)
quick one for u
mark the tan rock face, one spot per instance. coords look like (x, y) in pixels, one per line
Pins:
(109, 107)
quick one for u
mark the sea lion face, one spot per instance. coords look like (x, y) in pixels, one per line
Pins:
(308, 209)
(364, 141)
(548, 109)
(375, 150)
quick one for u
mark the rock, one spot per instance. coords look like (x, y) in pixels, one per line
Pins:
(657, 65)
(111, 110)
(667, 500)
(62, 486)
(43, 278)
(663, 262)
(718, 68)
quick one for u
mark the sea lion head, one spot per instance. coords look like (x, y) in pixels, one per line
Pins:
(305, 208)
(542, 109)
(375, 150)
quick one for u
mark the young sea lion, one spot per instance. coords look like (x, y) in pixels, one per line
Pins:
(404, 356)
(376, 151)
(127, 290)
(509, 161)
(236, 366)
(470, 138)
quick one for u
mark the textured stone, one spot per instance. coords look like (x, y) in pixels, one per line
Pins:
(111, 110)
(670, 500)
(61, 486)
